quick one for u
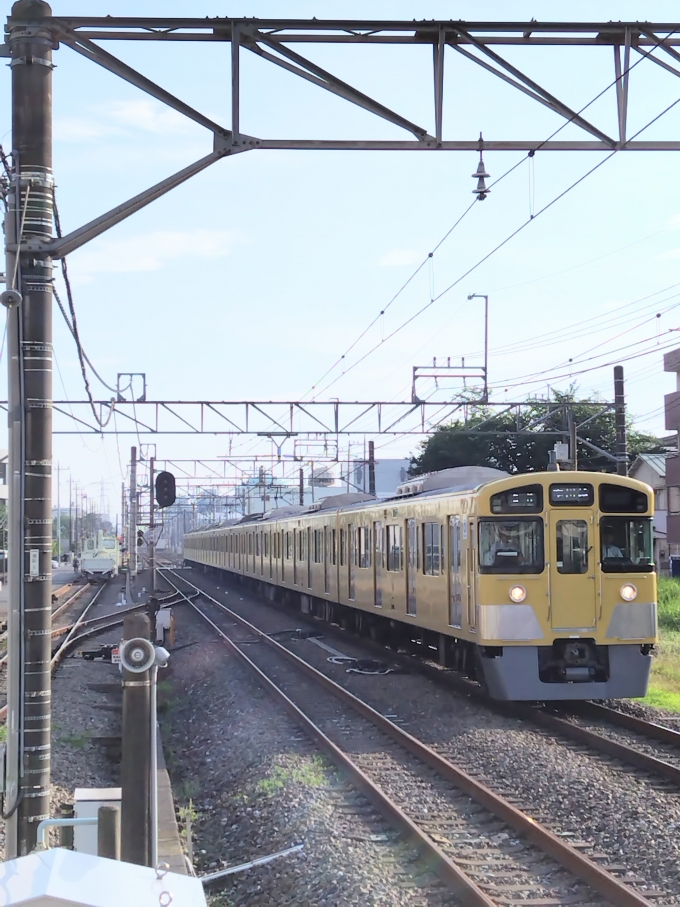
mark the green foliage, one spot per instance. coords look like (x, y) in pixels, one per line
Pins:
(79, 741)
(310, 774)
(498, 445)
(669, 603)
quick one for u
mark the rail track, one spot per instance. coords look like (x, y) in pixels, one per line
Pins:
(480, 844)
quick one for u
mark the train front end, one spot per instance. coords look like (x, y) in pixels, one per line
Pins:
(566, 587)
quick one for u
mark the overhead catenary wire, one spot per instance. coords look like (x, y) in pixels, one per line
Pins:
(73, 327)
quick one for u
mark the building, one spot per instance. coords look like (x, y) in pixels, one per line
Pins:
(651, 468)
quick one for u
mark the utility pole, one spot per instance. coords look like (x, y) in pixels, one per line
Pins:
(29, 331)
(620, 422)
(302, 486)
(152, 527)
(70, 513)
(371, 467)
(573, 440)
(58, 513)
(132, 547)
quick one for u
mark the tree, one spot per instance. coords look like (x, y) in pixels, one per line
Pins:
(494, 439)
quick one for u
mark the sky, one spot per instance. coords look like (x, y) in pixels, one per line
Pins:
(252, 279)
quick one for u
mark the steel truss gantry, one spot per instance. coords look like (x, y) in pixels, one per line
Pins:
(273, 40)
(278, 420)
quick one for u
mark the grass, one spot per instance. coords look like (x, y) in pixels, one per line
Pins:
(664, 685)
(310, 774)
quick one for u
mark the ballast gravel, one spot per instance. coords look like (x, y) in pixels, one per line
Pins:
(632, 818)
(249, 783)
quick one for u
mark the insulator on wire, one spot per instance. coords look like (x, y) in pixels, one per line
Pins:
(481, 176)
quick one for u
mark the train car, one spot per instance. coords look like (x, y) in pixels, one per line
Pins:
(100, 557)
(542, 586)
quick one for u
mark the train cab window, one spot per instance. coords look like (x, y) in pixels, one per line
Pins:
(527, 499)
(511, 546)
(619, 499)
(626, 544)
(431, 549)
(394, 548)
(572, 546)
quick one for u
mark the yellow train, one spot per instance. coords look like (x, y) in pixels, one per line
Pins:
(542, 586)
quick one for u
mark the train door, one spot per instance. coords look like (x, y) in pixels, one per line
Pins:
(573, 598)
(411, 565)
(377, 563)
(455, 584)
(470, 554)
(326, 554)
(351, 560)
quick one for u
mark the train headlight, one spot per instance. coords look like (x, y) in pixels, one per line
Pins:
(628, 592)
(517, 594)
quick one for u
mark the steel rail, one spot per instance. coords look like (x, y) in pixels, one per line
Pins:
(70, 600)
(630, 722)
(60, 651)
(585, 869)
(445, 868)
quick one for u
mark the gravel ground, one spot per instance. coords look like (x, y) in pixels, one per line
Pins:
(630, 818)
(77, 760)
(253, 785)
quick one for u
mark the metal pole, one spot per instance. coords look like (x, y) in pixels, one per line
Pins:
(620, 422)
(371, 467)
(58, 513)
(29, 216)
(132, 548)
(486, 349)
(153, 774)
(573, 439)
(70, 513)
(302, 487)
(108, 832)
(135, 772)
(152, 526)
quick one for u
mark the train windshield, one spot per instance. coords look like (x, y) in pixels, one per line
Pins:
(626, 544)
(511, 546)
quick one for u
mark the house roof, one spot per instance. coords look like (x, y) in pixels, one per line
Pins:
(657, 461)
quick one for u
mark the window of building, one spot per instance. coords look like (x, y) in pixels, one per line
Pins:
(431, 549)
(394, 548)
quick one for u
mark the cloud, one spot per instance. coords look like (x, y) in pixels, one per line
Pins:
(150, 251)
(124, 119)
(397, 258)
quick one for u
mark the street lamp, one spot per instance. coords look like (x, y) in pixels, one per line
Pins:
(486, 341)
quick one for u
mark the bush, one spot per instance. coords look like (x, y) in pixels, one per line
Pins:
(669, 603)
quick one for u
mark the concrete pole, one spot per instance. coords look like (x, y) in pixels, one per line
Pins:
(29, 331)
(58, 514)
(620, 422)
(371, 467)
(135, 770)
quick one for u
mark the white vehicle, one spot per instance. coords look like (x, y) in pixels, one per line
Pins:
(100, 558)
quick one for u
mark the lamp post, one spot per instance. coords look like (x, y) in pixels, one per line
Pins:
(486, 341)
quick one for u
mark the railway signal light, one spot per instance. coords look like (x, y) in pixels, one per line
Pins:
(165, 489)
(140, 537)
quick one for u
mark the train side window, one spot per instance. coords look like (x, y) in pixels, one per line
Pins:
(318, 546)
(343, 547)
(334, 546)
(394, 548)
(572, 546)
(431, 549)
(257, 544)
(266, 544)
(364, 546)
